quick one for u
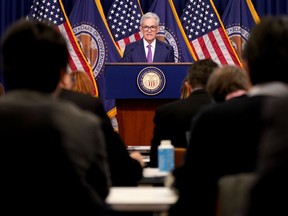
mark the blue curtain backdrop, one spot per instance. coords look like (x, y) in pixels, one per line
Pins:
(11, 10)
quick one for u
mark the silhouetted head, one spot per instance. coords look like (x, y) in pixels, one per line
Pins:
(266, 51)
(34, 55)
(225, 80)
(199, 72)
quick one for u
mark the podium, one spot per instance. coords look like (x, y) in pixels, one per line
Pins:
(139, 88)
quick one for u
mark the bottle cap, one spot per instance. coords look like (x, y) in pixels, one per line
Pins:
(165, 142)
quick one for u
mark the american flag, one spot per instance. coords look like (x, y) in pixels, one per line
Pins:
(206, 33)
(52, 11)
(171, 30)
(124, 21)
(91, 28)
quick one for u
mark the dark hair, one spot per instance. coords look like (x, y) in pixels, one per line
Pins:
(199, 72)
(34, 54)
(266, 51)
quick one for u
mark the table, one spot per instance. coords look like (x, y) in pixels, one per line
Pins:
(152, 176)
(138, 199)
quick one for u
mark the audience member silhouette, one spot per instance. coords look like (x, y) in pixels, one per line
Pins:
(125, 169)
(225, 137)
(173, 120)
(268, 194)
(53, 153)
(227, 82)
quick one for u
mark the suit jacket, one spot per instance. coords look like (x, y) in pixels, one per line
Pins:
(48, 151)
(135, 52)
(173, 120)
(124, 170)
(224, 140)
(266, 196)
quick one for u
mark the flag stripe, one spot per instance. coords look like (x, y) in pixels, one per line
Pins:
(72, 56)
(53, 11)
(123, 42)
(68, 66)
(219, 46)
(204, 28)
(197, 49)
(138, 35)
(226, 50)
(75, 51)
(127, 40)
(71, 64)
(204, 47)
(215, 49)
(211, 47)
(76, 57)
(83, 65)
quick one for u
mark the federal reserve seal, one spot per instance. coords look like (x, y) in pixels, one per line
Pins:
(238, 36)
(166, 35)
(93, 45)
(151, 81)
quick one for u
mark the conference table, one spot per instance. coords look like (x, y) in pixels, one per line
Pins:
(150, 196)
(153, 177)
(141, 199)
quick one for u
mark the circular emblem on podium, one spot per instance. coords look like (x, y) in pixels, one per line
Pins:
(151, 81)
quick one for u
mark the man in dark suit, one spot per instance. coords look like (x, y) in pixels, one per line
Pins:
(53, 153)
(139, 51)
(225, 138)
(172, 121)
(124, 169)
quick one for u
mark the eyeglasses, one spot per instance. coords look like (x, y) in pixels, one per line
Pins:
(152, 28)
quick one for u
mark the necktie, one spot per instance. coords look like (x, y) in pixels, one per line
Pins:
(149, 55)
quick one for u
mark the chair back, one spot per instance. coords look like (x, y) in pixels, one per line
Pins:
(233, 193)
(179, 154)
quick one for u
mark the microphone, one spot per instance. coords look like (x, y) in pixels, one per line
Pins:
(131, 50)
(167, 47)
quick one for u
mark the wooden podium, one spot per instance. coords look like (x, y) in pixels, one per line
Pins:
(139, 88)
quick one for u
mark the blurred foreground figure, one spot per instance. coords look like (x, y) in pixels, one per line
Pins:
(228, 82)
(53, 154)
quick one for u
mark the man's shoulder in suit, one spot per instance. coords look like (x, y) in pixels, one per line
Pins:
(134, 43)
(161, 43)
(84, 101)
(199, 98)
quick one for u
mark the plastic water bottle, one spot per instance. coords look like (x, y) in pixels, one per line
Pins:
(165, 156)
